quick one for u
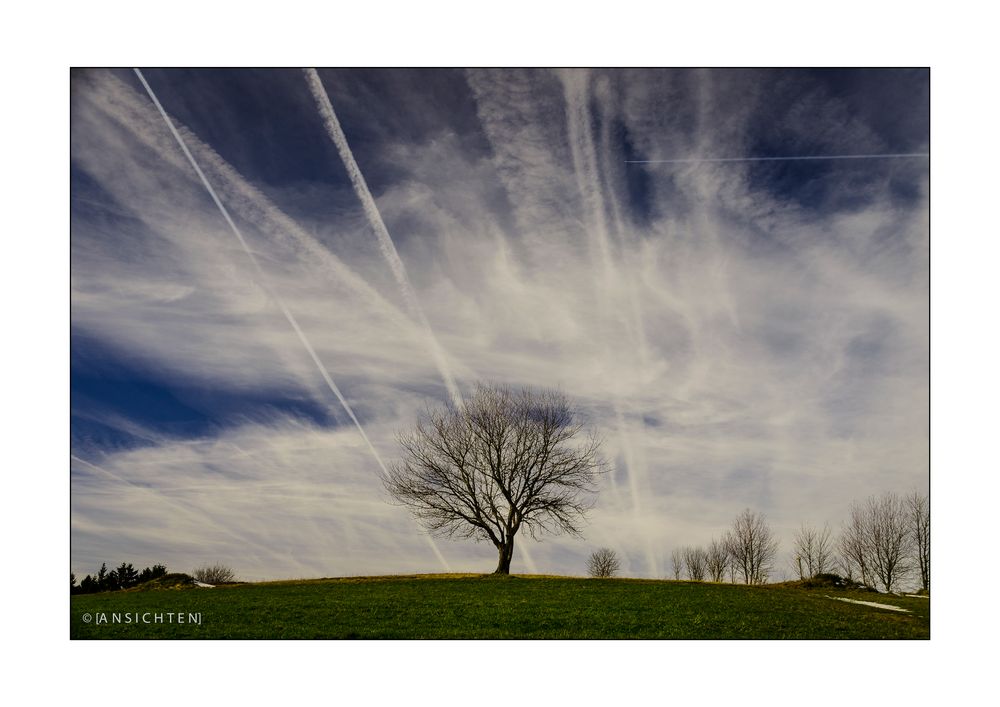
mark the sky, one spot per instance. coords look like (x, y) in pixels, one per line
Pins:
(248, 336)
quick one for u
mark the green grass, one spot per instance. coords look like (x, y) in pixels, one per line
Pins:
(474, 606)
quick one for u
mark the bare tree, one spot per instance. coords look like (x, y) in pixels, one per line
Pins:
(695, 560)
(717, 560)
(813, 552)
(890, 539)
(504, 460)
(677, 562)
(853, 548)
(215, 574)
(752, 546)
(603, 563)
(727, 542)
(919, 511)
(877, 541)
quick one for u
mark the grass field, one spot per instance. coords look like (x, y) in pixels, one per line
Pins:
(488, 607)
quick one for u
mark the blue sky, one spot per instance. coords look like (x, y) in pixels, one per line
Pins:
(742, 333)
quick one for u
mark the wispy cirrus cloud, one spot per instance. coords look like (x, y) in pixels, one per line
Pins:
(742, 334)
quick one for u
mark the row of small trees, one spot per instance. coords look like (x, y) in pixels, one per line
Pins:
(122, 577)
(886, 540)
(747, 550)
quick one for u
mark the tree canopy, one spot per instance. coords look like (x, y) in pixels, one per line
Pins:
(504, 460)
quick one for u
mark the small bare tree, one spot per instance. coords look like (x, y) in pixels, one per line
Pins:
(919, 511)
(727, 542)
(717, 560)
(677, 562)
(752, 546)
(853, 548)
(813, 551)
(504, 460)
(603, 563)
(215, 574)
(695, 561)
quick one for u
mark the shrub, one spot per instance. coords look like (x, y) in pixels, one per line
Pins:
(603, 563)
(215, 574)
(827, 580)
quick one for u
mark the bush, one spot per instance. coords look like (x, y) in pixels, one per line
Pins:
(603, 563)
(827, 580)
(215, 574)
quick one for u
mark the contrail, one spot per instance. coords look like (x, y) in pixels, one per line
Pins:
(584, 155)
(585, 164)
(260, 272)
(273, 295)
(247, 201)
(695, 160)
(624, 240)
(385, 243)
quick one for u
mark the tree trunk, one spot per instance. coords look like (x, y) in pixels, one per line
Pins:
(506, 554)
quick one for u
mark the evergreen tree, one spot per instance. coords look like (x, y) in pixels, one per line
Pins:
(127, 576)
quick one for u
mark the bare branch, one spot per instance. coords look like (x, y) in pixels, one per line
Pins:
(717, 560)
(919, 517)
(813, 551)
(752, 547)
(695, 560)
(505, 460)
(677, 561)
(877, 542)
(603, 563)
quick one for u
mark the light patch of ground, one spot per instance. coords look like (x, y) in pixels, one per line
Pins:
(202, 584)
(890, 607)
(917, 596)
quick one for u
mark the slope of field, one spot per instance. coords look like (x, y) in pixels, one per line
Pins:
(475, 606)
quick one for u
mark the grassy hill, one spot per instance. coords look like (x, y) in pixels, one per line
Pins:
(477, 606)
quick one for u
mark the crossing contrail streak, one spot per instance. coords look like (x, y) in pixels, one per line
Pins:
(695, 160)
(118, 102)
(263, 284)
(260, 272)
(585, 165)
(385, 243)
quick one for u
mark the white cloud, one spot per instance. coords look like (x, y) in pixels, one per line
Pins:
(735, 349)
